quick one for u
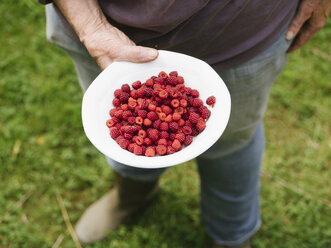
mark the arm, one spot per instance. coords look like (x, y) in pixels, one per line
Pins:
(104, 42)
(311, 17)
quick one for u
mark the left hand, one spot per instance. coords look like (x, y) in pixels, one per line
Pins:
(311, 17)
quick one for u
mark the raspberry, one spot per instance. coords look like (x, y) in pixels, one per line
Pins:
(163, 74)
(124, 97)
(136, 85)
(161, 149)
(148, 141)
(149, 82)
(172, 136)
(159, 80)
(176, 145)
(172, 80)
(201, 125)
(131, 147)
(205, 112)
(150, 151)
(110, 123)
(194, 117)
(116, 102)
(147, 122)
(173, 92)
(162, 116)
(126, 114)
(170, 150)
(153, 134)
(180, 137)
(117, 93)
(132, 104)
(157, 124)
(138, 150)
(176, 116)
(173, 73)
(142, 113)
(139, 120)
(194, 93)
(211, 100)
(180, 80)
(175, 103)
(151, 107)
(187, 130)
(124, 107)
(164, 126)
(123, 143)
(181, 122)
(140, 92)
(188, 140)
(131, 120)
(118, 114)
(152, 116)
(134, 94)
(168, 118)
(164, 135)
(183, 103)
(166, 109)
(139, 140)
(127, 136)
(173, 126)
(125, 88)
(179, 110)
(142, 133)
(195, 132)
(197, 102)
(112, 111)
(114, 132)
(163, 94)
(162, 142)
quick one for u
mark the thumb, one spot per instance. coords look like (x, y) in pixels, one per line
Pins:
(137, 54)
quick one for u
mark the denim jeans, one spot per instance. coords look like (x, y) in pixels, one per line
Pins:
(230, 170)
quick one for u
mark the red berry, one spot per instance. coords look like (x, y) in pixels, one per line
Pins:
(125, 88)
(175, 103)
(173, 73)
(138, 150)
(194, 117)
(153, 134)
(194, 93)
(172, 80)
(161, 149)
(139, 120)
(116, 102)
(150, 151)
(162, 142)
(123, 143)
(164, 135)
(176, 116)
(197, 102)
(173, 126)
(201, 125)
(148, 141)
(180, 137)
(152, 116)
(157, 123)
(163, 94)
(142, 133)
(180, 80)
(163, 74)
(114, 132)
(211, 100)
(164, 126)
(188, 140)
(124, 97)
(187, 130)
(176, 145)
(170, 150)
(117, 93)
(147, 122)
(136, 85)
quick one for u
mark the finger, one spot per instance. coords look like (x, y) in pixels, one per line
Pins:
(316, 23)
(137, 54)
(306, 9)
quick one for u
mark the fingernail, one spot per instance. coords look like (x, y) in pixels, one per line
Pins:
(152, 53)
(289, 35)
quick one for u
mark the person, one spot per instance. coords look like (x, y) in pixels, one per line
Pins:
(246, 42)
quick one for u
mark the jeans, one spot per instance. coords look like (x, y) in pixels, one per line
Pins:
(230, 169)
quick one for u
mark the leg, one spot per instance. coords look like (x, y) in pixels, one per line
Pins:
(229, 170)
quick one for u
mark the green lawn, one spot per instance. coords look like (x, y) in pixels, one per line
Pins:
(44, 152)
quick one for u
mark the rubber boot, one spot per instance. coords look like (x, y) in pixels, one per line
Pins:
(108, 213)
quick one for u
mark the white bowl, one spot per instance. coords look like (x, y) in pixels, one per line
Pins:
(197, 74)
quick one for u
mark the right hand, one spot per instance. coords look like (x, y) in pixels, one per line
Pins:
(107, 44)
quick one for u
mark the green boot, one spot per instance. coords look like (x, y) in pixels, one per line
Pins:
(108, 213)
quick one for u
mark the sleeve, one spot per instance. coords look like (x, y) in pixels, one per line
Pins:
(45, 1)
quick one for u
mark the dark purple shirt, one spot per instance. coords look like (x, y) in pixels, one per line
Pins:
(223, 33)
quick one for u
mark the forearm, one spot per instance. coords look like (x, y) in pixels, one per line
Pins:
(85, 16)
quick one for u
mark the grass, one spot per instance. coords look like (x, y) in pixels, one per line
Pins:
(44, 152)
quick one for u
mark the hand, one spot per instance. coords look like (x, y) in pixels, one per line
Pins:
(311, 17)
(107, 44)
(104, 42)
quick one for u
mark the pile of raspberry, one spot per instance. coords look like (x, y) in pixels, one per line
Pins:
(160, 116)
